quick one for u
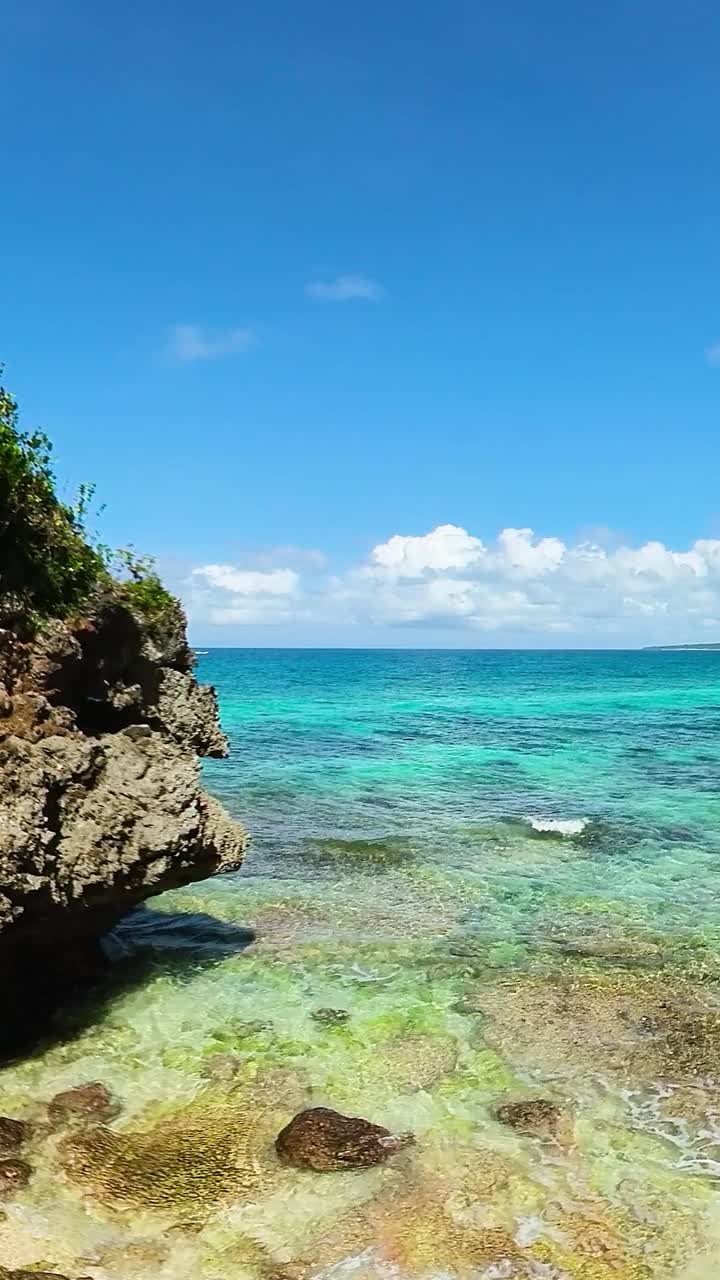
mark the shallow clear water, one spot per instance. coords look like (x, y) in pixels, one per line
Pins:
(504, 868)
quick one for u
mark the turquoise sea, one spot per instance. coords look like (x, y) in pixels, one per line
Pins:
(503, 868)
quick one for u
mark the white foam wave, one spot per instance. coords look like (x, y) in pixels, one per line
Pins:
(558, 826)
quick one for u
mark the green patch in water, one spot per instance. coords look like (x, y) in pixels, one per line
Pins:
(364, 854)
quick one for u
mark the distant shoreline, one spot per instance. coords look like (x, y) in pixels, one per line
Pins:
(664, 648)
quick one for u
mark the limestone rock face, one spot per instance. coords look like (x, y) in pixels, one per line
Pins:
(101, 723)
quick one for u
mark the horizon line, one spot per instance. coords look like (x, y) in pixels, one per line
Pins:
(696, 647)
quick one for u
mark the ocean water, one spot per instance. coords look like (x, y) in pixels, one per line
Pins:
(503, 868)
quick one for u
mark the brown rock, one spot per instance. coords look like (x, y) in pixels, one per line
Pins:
(330, 1017)
(254, 1027)
(38, 1275)
(322, 1139)
(13, 1133)
(288, 1271)
(14, 1175)
(84, 1102)
(534, 1117)
(35, 1275)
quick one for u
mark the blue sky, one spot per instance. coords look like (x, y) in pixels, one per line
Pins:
(290, 280)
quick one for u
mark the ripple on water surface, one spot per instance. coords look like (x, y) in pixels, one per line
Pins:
(478, 880)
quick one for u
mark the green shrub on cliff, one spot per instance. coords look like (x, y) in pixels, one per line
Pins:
(46, 565)
(138, 585)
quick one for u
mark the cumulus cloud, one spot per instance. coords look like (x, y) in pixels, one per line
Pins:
(222, 594)
(518, 550)
(249, 582)
(345, 289)
(190, 342)
(519, 584)
(446, 547)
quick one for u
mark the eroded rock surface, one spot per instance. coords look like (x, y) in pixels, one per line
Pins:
(101, 723)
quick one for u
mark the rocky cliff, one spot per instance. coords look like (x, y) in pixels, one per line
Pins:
(101, 724)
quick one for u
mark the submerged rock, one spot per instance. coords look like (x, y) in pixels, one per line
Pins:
(639, 1027)
(322, 1140)
(330, 1017)
(222, 1066)
(288, 1271)
(35, 1275)
(407, 1063)
(31, 1275)
(13, 1134)
(535, 1117)
(84, 1102)
(14, 1175)
(254, 1027)
(636, 953)
(363, 854)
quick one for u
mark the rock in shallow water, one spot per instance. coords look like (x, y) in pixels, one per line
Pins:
(35, 1275)
(13, 1133)
(330, 1017)
(322, 1140)
(535, 1117)
(31, 1275)
(14, 1175)
(84, 1102)
(222, 1066)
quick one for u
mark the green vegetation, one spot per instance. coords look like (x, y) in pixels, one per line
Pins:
(135, 582)
(49, 567)
(46, 565)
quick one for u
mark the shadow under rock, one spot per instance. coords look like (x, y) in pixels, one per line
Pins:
(52, 1005)
(175, 937)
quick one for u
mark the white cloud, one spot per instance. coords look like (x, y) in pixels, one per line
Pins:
(345, 289)
(712, 353)
(224, 595)
(190, 342)
(446, 547)
(249, 582)
(655, 559)
(518, 584)
(519, 552)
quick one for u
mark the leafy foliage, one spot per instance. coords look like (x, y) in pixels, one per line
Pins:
(137, 584)
(46, 564)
